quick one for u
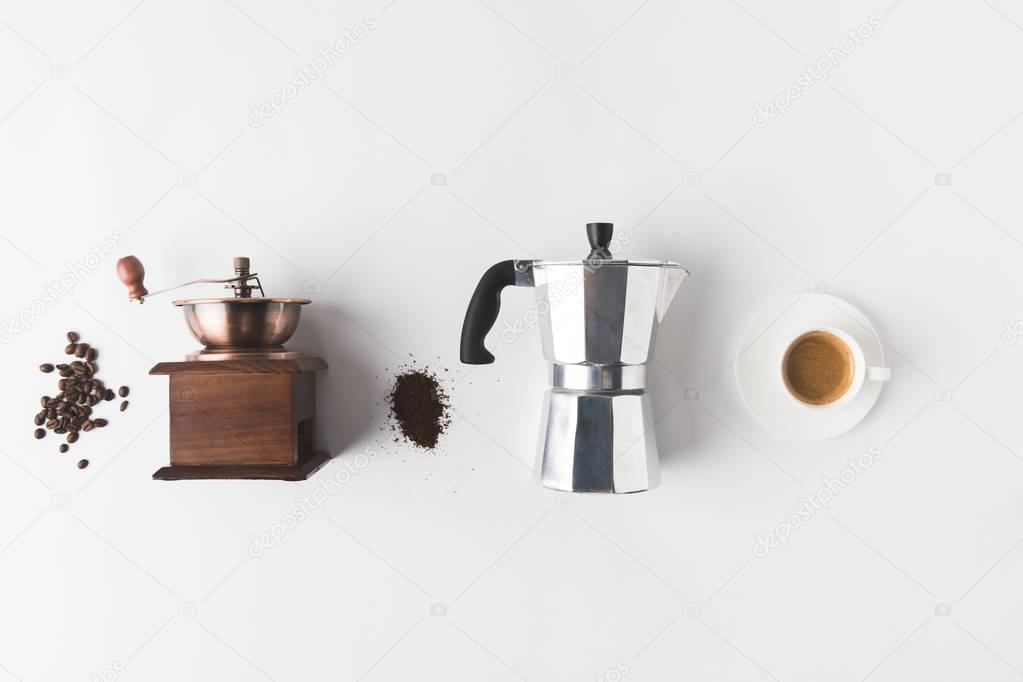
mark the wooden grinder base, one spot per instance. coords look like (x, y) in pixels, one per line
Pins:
(242, 419)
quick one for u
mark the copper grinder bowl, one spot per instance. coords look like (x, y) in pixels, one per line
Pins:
(242, 322)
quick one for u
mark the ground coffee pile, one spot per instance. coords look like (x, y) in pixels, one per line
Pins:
(419, 407)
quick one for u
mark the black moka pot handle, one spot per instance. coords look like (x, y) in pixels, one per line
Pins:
(482, 312)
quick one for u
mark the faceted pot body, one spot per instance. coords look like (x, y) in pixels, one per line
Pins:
(602, 313)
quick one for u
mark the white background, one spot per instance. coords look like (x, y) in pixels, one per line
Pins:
(894, 183)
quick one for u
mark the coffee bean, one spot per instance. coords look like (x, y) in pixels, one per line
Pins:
(123, 391)
(51, 424)
(46, 368)
(99, 423)
(82, 463)
(108, 395)
(39, 433)
(63, 447)
(81, 349)
(72, 437)
(124, 405)
(60, 430)
(89, 366)
(87, 425)
(43, 400)
(70, 348)
(72, 337)
(91, 354)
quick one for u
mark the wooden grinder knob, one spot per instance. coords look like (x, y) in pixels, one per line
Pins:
(131, 272)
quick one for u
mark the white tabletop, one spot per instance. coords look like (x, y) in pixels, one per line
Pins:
(433, 140)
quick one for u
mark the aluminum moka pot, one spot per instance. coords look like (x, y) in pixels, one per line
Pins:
(598, 320)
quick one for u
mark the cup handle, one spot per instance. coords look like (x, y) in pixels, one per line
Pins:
(879, 373)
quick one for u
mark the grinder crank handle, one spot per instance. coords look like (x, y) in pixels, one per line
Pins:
(485, 305)
(131, 273)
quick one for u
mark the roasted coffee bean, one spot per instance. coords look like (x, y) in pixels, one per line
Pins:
(46, 367)
(91, 367)
(123, 391)
(72, 437)
(39, 419)
(39, 433)
(91, 354)
(43, 400)
(81, 349)
(124, 405)
(99, 423)
(66, 372)
(70, 348)
(87, 425)
(60, 430)
(72, 337)
(51, 424)
(82, 463)
(51, 413)
(63, 447)
(108, 395)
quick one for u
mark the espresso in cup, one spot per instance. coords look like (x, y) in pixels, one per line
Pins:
(819, 368)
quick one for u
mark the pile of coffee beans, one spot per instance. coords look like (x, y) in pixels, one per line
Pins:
(69, 413)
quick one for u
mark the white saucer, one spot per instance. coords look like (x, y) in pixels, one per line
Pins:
(758, 367)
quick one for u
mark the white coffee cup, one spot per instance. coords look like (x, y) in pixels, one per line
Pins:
(861, 373)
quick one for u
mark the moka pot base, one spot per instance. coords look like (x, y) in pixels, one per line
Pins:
(603, 419)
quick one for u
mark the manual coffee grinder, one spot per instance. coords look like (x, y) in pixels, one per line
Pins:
(244, 406)
(598, 320)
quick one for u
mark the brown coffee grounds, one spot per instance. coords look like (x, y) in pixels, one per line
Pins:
(419, 407)
(818, 368)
